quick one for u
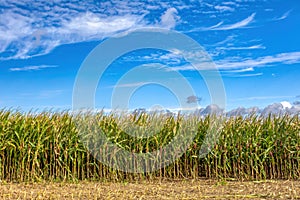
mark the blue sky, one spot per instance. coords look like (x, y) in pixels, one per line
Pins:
(255, 45)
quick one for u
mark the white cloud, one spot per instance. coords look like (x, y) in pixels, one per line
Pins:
(239, 73)
(242, 48)
(283, 58)
(61, 22)
(262, 98)
(205, 28)
(82, 27)
(171, 58)
(230, 38)
(269, 9)
(224, 8)
(170, 18)
(177, 60)
(284, 16)
(186, 67)
(50, 93)
(220, 27)
(91, 25)
(235, 64)
(244, 75)
(237, 25)
(43, 94)
(213, 27)
(64, 22)
(230, 3)
(250, 69)
(32, 68)
(128, 85)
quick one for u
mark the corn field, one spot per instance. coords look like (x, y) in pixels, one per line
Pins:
(48, 146)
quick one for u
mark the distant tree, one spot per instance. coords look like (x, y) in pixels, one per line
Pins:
(193, 99)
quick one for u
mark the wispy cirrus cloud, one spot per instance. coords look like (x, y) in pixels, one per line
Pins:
(205, 28)
(250, 69)
(64, 22)
(50, 93)
(243, 75)
(262, 98)
(85, 26)
(176, 60)
(31, 68)
(129, 85)
(212, 27)
(230, 3)
(44, 94)
(221, 27)
(260, 46)
(240, 67)
(237, 25)
(224, 8)
(239, 63)
(170, 58)
(284, 16)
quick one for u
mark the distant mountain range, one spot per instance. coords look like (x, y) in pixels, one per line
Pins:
(274, 109)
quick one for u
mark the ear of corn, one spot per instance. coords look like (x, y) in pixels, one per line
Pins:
(48, 146)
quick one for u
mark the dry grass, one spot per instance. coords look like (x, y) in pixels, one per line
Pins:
(175, 189)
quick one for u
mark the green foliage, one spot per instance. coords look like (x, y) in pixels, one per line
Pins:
(47, 146)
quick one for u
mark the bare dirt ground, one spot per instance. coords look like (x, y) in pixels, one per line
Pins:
(175, 189)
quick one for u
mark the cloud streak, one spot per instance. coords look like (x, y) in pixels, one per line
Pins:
(284, 16)
(236, 64)
(129, 85)
(263, 98)
(237, 25)
(243, 75)
(242, 48)
(224, 8)
(32, 68)
(283, 58)
(221, 27)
